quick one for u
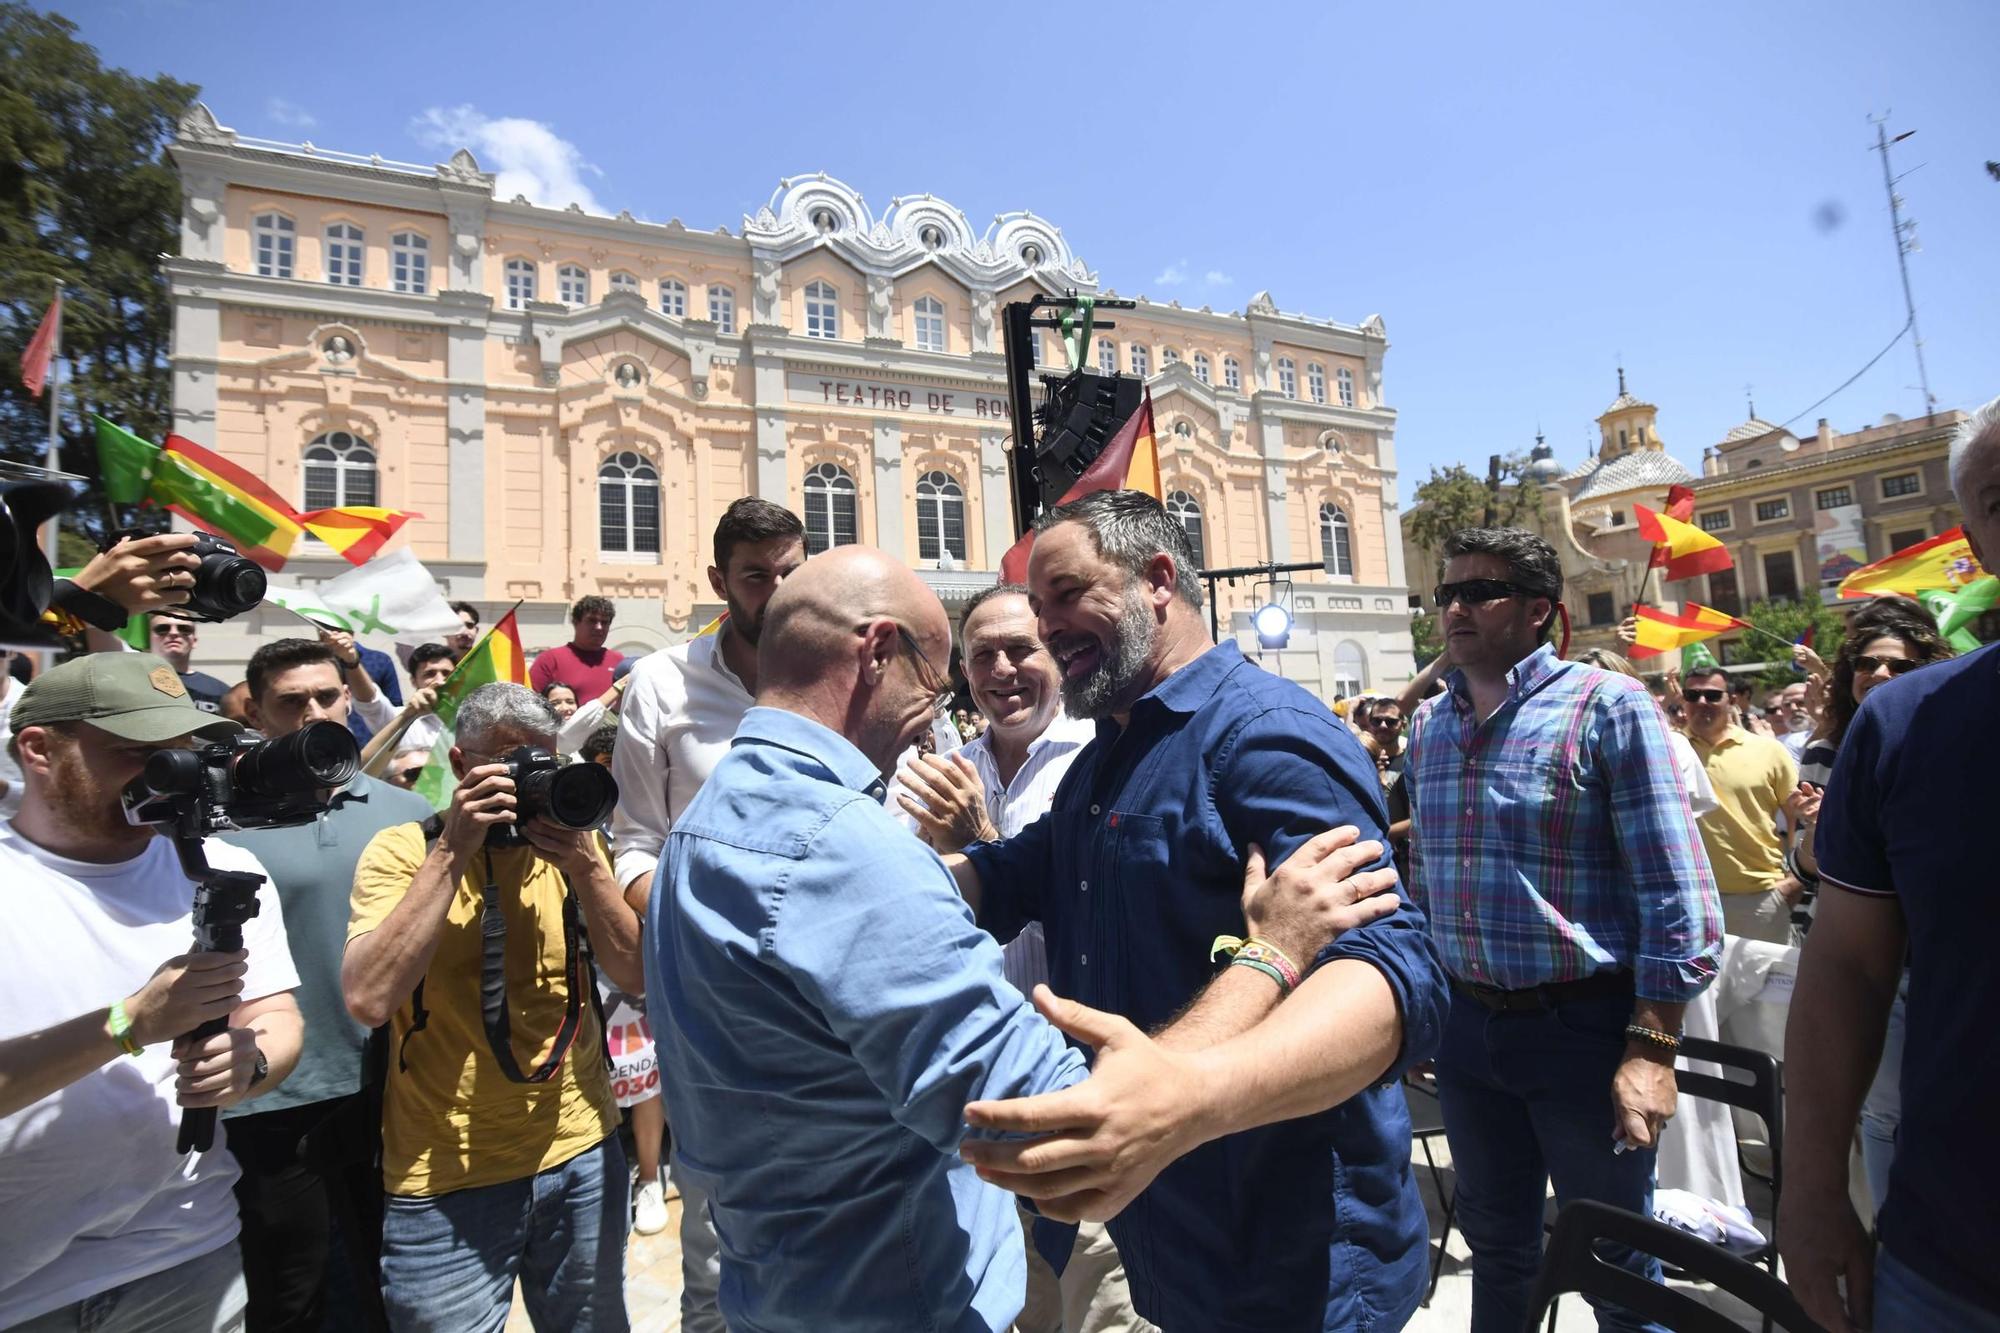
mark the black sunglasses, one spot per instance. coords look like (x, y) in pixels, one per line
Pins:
(1385, 721)
(1477, 592)
(1705, 696)
(1868, 666)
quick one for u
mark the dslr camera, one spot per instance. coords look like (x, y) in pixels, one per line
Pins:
(225, 585)
(244, 782)
(573, 796)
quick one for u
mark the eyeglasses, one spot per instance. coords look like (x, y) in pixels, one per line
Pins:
(1390, 722)
(1868, 666)
(1477, 592)
(168, 631)
(941, 693)
(1705, 696)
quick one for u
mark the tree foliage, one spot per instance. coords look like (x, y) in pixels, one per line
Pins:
(87, 198)
(1452, 498)
(1787, 620)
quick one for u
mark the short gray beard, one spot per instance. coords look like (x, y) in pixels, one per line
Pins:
(1099, 694)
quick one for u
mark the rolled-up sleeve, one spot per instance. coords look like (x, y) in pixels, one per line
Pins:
(1673, 888)
(1289, 775)
(1011, 874)
(872, 932)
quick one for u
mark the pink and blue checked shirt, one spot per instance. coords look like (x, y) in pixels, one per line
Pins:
(1553, 840)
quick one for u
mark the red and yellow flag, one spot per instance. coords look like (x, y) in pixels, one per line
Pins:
(1662, 631)
(1130, 462)
(497, 656)
(1680, 548)
(1680, 505)
(1944, 562)
(358, 532)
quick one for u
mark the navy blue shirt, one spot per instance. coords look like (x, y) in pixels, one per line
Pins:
(1908, 795)
(1308, 1224)
(381, 669)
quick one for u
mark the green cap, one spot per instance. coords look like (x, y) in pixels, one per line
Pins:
(134, 696)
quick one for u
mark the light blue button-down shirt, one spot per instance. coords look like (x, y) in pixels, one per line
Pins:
(824, 1008)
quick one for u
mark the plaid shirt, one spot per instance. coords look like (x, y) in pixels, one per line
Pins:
(1553, 840)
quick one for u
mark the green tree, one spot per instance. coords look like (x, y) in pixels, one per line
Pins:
(1452, 498)
(1425, 641)
(88, 198)
(1787, 620)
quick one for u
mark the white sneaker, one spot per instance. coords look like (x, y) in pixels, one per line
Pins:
(649, 1211)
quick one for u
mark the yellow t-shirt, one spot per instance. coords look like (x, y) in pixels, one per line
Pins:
(452, 1120)
(1752, 775)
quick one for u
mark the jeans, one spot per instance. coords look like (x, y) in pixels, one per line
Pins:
(1091, 1296)
(701, 1259)
(203, 1295)
(449, 1262)
(1527, 1100)
(1882, 1112)
(1907, 1303)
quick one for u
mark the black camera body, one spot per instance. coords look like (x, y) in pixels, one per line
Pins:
(226, 584)
(245, 782)
(572, 796)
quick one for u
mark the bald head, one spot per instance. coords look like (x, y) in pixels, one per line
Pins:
(832, 649)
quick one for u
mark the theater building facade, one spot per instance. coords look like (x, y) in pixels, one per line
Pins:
(571, 400)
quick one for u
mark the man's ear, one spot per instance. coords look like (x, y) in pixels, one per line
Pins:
(458, 763)
(716, 585)
(1160, 579)
(878, 649)
(256, 714)
(35, 745)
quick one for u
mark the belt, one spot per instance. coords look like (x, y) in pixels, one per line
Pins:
(1533, 999)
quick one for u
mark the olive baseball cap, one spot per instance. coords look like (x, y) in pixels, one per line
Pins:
(134, 696)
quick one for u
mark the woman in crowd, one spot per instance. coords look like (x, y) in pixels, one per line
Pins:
(561, 698)
(1890, 636)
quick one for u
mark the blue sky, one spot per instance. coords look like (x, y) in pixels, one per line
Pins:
(1526, 193)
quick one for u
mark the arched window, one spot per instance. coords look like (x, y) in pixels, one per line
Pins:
(1142, 360)
(572, 285)
(929, 324)
(1344, 380)
(1336, 541)
(1316, 381)
(339, 470)
(1350, 669)
(1201, 366)
(410, 262)
(822, 310)
(628, 508)
(940, 517)
(722, 309)
(1107, 357)
(1232, 374)
(274, 236)
(1182, 508)
(343, 254)
(622, 281)
(830, 509)
(673, 298)
(1288, 377)
(1169, 356)
(520, 283)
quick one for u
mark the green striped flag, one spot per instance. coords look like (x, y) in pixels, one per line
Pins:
(497, 656)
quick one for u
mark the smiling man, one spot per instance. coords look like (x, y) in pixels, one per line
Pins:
(1573, 905)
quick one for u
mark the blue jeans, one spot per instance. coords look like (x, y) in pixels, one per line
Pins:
(203, 1295)
(449, 1262)
(1527, 1100)
(1882, 1112)
(1906, 1303)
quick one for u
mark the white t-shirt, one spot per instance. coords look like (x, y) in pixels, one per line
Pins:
(92, 1192)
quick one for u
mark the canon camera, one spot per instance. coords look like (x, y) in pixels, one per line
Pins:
(574, 796)
(226, 584)
(244, 782)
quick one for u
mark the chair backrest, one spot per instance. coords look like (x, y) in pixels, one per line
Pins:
(1571, 1264)
(1763, 1096)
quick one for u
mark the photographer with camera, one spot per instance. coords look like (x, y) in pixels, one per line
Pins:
(499, 1151)
(291, 1205)
(99, 1207)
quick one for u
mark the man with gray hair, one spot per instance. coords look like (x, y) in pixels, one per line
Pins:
(499, 1154)
(1903, 874)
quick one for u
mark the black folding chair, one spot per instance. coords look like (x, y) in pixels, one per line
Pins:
(1427, 1123)
(1571, 1264)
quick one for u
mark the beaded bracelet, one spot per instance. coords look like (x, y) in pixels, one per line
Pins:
(1263, 954)
(1652, 1036)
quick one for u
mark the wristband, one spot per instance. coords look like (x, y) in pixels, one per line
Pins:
(119, 1028)
(1666, 1041)
(1266, 968)
(1262, 952)
(89, 607)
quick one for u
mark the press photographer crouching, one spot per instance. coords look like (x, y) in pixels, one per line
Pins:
(499, 1155)
(107, 1222)
(291, 1203)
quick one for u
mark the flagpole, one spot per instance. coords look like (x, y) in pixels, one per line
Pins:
(55, 437)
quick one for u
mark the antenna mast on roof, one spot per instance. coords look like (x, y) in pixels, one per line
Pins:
(1906, 241)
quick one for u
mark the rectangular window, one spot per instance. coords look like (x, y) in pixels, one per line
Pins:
(1770, 511)
(722, 309)
(1903, 541)
(1600, 608)
(1901, 484)
(1833, 497)
(930, 326)
(1716, 520)
(1722, 593)
(410, 265)
(1345, 380)
(1781, 576)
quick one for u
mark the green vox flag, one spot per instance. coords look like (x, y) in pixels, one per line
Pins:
(1696, 657)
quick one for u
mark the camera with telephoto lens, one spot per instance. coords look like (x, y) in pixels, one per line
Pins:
(244, 782)
(573, 796)
(226, 584)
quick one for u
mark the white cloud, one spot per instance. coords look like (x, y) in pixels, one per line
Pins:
(289, 114)
(1215, 277)
(1173, 275)
(529, 157)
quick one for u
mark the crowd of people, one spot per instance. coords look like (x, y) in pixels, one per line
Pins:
(1057, 969)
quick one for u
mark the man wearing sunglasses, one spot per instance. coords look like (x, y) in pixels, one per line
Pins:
(1752, 775)
(174, 639)
(1570, 898)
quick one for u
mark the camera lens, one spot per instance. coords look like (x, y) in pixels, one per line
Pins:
(580, 796)
(320, 754)
(226, 584)
(170, 773)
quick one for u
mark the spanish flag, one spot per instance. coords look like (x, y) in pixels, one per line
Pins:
(1680, 548)
(358, 532)
(1660, 631)
(497, 656)
(1130, 462)
(1945, 561)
